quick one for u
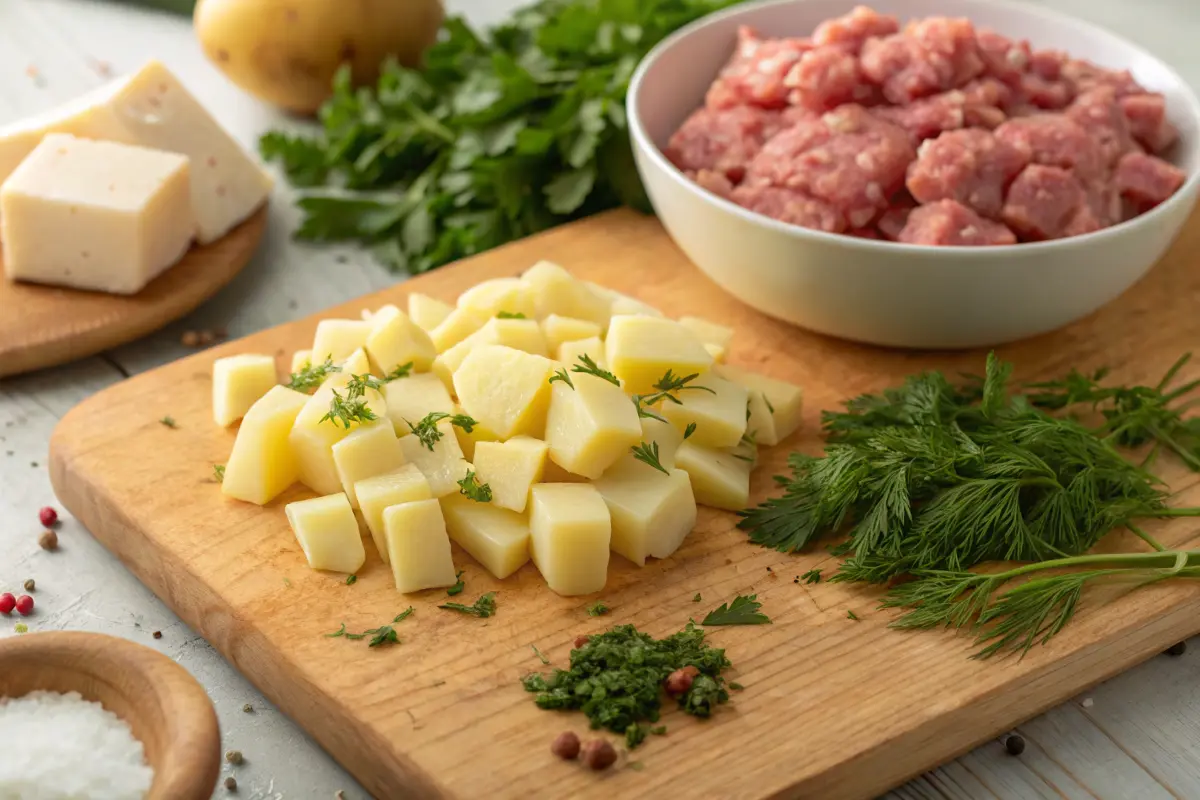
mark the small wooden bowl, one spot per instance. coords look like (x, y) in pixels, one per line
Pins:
(163, 704)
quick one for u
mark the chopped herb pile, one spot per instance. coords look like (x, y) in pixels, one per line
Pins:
(744, 610)
(617, 678)
(499, 136)
(485, 606)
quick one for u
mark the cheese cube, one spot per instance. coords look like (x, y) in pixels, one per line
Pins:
(328, 533)
(460, 324)
(338, 339)
(152, 109)
(301, 359)
(784, 401)
(665, 435)
(495, 537)
(708, 332)
(395, 341)
(590, 426)
(499, 295)
(443, 466)
(404, 485)
(556, 291)
(519, 334)
(312, 437)
(715, 405)
(238, 383)
(559, 329)
(651, 512)
(262, 463)
(569, 353)
(511, 469)
(426, 311)
(719, 479)
(570, 533)
(95, 215)
(418, 546)
(367, 451)
(411, 399)
(640, 350)
(506, 390)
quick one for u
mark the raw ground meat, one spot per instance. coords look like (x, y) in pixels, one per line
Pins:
(1145, 181)
(971, 166)
(847, 158)
(825, 133)
(1048, 203)
(723, 140)
(947, 222)
(855, 28)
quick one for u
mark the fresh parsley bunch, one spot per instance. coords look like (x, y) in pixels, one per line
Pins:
(500, 136)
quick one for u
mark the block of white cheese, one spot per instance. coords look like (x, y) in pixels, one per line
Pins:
(151, 108)
(95, 215)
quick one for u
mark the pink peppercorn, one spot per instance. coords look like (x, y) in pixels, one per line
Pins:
(24, 605)
(7, 603)
(48, 516)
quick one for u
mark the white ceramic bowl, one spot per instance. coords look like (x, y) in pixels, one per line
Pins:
(883, 292)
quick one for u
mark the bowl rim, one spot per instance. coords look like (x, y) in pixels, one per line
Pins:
(1184, 195)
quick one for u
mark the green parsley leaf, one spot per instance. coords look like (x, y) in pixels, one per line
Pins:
(696, 598)
(428, 433)
(219, 472)
(485, 606)
(635, 734)
(736, 686)
(744, 610)
(169, 422)
(598, 609)
(852, 615)
(470, 487)
(351, 580)
(347, 410)
(458, 587)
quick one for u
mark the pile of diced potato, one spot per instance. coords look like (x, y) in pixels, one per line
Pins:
(557, 456)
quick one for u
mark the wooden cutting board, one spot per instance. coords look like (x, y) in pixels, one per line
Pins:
(832, 708)
(42, 326)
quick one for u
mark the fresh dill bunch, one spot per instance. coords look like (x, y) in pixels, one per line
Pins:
(311, 376)
(428, 433)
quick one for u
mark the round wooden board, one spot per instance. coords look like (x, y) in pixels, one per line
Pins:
(42, 326)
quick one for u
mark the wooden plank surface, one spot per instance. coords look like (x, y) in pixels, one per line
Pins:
(833, 708)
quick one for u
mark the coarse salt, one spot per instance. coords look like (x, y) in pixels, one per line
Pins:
(62, 747)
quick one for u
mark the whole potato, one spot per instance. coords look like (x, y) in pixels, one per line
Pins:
(287, 51)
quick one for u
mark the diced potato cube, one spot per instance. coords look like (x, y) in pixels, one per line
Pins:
(426, 311)
(651, 512)
(495, 537)
(238, 382)
(262, 463)
(499, 295)
(312, 437)
(460, 324)
(590, 426)
(301, 359)
(623, 305)
(338, 338)
(404, 485)
(413, 398)
(783, 400)
(418, 546)
(510, 468)
(328, 533)
(395, 340)
(559, 329)
(556, 291)
(719, 414)
(665, 435)
(370, 450)
(569, 353)
(640, 350)
(719, 479)
(519, 334)
(760, 427)
(443, 466)
(506, 390)
(570, 533)
(708, 332)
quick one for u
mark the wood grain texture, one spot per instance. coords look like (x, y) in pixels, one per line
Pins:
(833, 708)
(164, 705)
(43, 326)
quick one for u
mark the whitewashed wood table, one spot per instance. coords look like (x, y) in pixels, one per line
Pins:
(1137, 736)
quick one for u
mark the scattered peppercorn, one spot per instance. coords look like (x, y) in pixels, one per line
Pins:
(1177, 649)
(47, 515)
(679, 682)
(580, 641)
(1015, 745)
(565, 745)
(231, 784)
(157, 634)
(48, 540)
(247, 709)
(24, 605)
(598, 754)
(234, 757)
(29, 585)
(189, 339)
(7, 603)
